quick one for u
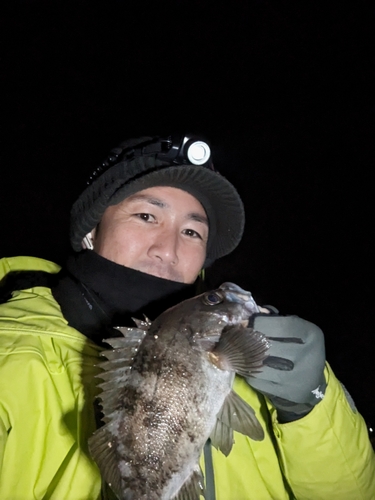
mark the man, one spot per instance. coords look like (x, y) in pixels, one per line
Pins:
(155, 214)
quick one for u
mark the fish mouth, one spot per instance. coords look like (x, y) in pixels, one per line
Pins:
(234, 293)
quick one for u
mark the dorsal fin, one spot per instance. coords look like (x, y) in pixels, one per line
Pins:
(118, 367)
(103, 449)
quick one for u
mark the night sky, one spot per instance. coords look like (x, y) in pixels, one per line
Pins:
(283, 90)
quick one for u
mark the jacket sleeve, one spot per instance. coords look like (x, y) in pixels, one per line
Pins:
(328, 454)
(44, 420)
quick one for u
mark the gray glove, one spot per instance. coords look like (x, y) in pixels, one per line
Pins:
(292, 377)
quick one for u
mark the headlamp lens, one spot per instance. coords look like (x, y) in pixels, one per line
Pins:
(198, 152)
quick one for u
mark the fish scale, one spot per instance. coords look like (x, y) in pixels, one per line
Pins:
(168, 388)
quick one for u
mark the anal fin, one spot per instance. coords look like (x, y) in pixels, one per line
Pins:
(193, 488)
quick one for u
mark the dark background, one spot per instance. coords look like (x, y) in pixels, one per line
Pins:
(284, 91)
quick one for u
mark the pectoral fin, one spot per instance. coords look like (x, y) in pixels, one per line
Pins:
(241, 350)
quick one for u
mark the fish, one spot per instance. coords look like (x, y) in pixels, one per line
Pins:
(167, 389)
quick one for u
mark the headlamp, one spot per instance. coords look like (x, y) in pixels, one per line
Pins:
(198, 152)
(179, 150)
(187, 149)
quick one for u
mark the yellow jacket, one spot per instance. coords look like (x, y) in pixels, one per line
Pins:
(47, 389)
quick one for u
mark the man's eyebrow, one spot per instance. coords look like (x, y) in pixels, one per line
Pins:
(197, 217)
(148, 199)
(162, 204)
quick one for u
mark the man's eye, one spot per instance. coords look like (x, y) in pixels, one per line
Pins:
(192, 233)
(146, 217)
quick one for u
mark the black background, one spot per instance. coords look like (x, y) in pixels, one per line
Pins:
(283, 90)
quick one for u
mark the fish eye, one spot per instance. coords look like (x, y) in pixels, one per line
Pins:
(212, 298)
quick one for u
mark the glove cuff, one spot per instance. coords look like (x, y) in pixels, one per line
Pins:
(289, 411)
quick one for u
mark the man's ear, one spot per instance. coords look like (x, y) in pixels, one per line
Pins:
(88, 240)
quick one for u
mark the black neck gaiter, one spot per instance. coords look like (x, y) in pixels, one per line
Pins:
(96, 294)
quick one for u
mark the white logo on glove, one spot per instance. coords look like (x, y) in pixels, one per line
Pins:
(317, 393)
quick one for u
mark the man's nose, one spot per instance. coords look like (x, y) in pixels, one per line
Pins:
(165, 247)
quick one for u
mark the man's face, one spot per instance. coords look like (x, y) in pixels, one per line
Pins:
(161, 231)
